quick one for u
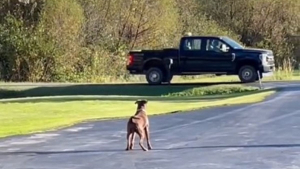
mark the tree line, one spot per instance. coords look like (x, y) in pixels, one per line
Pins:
(87, 40)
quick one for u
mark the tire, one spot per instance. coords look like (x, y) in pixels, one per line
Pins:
(154, 76)
(247, 74)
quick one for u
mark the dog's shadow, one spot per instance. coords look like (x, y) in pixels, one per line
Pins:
(154, 149)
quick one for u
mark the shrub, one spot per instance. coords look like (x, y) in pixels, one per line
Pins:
(213, 90)
(26, 55)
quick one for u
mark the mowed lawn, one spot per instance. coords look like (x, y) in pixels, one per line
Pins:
(34, 115)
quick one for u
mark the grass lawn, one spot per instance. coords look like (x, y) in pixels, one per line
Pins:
(279, 75)
(30, 116)
(276, 76)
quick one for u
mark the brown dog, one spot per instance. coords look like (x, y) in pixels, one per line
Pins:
(139, 123)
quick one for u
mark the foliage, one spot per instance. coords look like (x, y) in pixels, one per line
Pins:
(213, 90)
(26, 55)
(87, 40)
(264, 23)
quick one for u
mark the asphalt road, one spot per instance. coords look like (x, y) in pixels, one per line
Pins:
(259, 136)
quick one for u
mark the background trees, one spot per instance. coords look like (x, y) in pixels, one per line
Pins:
(87, 40)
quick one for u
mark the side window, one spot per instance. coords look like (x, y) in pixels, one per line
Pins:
(192, 44)
(214, 45)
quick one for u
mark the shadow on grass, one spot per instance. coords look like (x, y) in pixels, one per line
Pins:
(127, 98)
(159, 149)
(102, 89)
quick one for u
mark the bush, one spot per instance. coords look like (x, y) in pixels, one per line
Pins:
(264, 24)
(213, 90)
(26, 55)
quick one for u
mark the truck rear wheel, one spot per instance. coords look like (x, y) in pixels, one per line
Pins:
(154, 76)
(247, 74)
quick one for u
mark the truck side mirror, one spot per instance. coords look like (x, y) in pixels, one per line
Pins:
(224, 48)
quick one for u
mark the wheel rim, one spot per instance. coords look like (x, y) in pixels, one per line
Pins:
(154, 76)
(247, 74)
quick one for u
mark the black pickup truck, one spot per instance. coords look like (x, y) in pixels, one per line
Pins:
(198, 55)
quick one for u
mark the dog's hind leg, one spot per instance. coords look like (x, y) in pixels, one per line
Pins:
(141, 135)
(148, 137)
(132, 141)
(129, 135)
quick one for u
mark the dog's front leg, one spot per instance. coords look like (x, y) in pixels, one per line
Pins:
(148, 137)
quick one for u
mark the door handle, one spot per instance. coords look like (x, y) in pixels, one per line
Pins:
(232, 57)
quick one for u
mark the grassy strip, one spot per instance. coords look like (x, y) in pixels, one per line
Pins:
(214, 90)
(34, 116)
(189, 93)
(277, 76)
(117, 89)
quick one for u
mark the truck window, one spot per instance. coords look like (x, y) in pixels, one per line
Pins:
(192, 44)
(214, 45)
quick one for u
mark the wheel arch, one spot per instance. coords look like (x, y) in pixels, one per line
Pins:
(245, 62)
(154, 62)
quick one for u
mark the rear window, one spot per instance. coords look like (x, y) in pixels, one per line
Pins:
(192, 44)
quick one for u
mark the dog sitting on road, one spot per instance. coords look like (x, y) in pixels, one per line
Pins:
(139, 123)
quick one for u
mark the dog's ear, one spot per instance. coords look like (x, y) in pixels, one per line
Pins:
(136, 102)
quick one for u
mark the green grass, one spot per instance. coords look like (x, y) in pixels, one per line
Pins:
(28, 109)
(109, 90)
(279, 75)
(213, 90)
(30, 116)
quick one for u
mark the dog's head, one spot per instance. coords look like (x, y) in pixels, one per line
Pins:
(141, 103)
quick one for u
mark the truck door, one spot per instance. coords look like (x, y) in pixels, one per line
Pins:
(191, 52)
(216, 59)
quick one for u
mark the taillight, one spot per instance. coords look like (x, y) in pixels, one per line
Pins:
(130, 60)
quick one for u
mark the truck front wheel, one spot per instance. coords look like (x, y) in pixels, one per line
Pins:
(154, 76)
(247, 74)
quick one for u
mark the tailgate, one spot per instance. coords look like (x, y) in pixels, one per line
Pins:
(135, 62)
